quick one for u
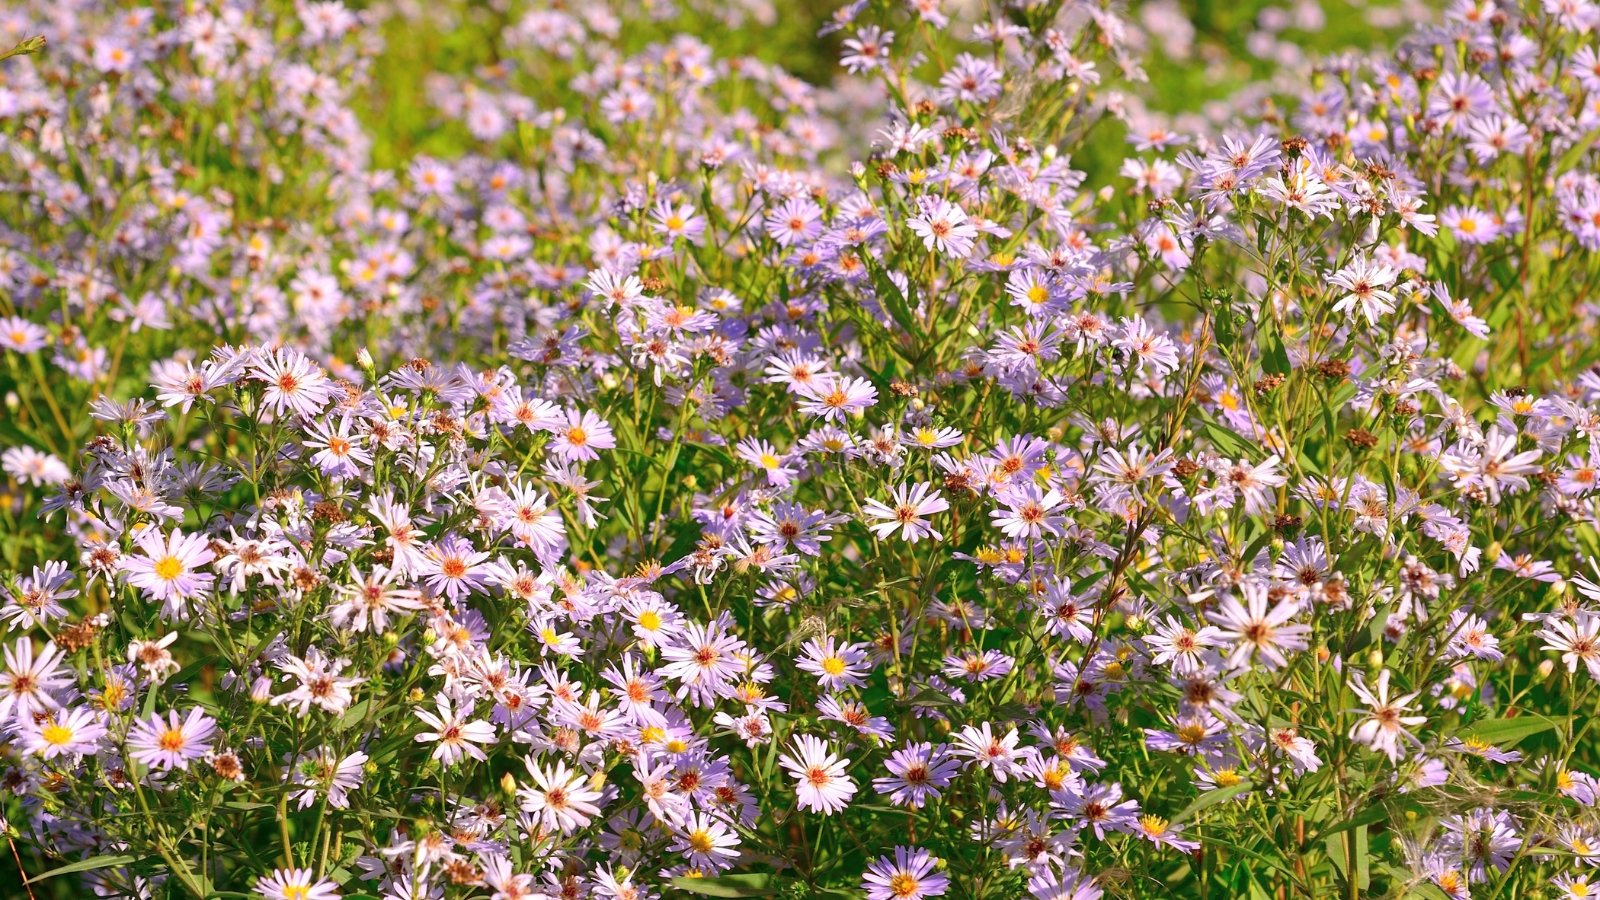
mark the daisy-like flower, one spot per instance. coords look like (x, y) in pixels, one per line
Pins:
(1180, 646)
(30, 466)
(623, 290)
(579, 437)
(454, 567)
(1486, 838)
(944, 228)
(340, 454)
(154, 658)
(370, 600)
(1577, 640)
(707, 841)
(74, 732)
(1236, 480)
(1030, 512)
(833, 397)
(909, 875)
(325, 772)
(1386, 724)
(166, 571)
(918, 772)
(1364, 282)
(1099, 807)
(835, 666)
(1161, 832)
(907, 515)
(294, 383)
(1578, 886)
(1256, 630)
(296, 884)
(455, 736)
(821, 782)
(168, 743)
(559, 798)
(22, 336)
(764, 456)
(320, 684)
(997, 754)
(29, 683)
(1069, 884)
(705, 658)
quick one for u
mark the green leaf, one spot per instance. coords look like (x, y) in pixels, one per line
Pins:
(895, 303)
(931, 697)
(352, 715)
(103, 861)
(1227, 440)
(1210, 799)
(1506, 731)
(1575, 153)
(1376, 812)
(1276, 361)
(757, 885)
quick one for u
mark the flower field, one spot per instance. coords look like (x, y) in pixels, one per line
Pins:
(1055, 449)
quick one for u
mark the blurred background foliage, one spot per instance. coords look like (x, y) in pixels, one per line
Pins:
(1204, 59)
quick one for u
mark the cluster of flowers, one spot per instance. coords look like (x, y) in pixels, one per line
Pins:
(752, 499)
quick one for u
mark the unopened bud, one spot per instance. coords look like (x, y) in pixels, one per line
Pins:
(261, 689)
(1546, 667)
(508, 784)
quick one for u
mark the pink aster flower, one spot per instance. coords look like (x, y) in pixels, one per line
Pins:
(74, 732)
(944, 228)
(454, 567)
(821, 782)
(580, 435)
(296, 884)
(909, 875)
(29, 683)
(1257, 630)
(559, 798)
(294, 383)
(166, 570)
(835, 666)
(833, 397)
(170, 743)
(907, 515)
(1386, 723)
(455, 736)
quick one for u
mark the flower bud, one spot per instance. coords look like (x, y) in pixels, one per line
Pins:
(1546, 667)
(261, 689)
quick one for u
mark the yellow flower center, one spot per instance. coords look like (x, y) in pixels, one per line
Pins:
(56, 735)
(171, 740)
(169, 568)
